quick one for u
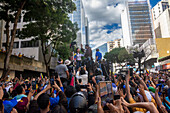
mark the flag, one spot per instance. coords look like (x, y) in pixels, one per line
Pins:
(147, 72)
(41, 76)
(75, 55)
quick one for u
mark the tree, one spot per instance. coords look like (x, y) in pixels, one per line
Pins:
(51, 26)
(64, 51)
(119, 55)
(10, 10)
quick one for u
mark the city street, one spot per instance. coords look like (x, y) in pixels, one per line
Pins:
(84, 56)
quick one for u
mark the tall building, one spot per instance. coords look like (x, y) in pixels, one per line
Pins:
(136, 22)
(78, 16)
(159, 8)
(161, 19)
(162, 25)
(1, 30)
(114, 44)
(87, 30)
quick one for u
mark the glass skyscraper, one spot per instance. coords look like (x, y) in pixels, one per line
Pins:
(136, 20)
(78, 16)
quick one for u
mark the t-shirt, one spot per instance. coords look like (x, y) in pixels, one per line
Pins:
(99, 55)
(61, 70)
(78, 56)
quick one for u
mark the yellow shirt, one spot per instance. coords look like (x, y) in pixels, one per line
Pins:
(131, 100)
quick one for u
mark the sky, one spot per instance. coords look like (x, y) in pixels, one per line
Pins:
(104, 20)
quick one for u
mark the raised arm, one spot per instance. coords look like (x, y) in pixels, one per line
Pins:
(142, 82)
(147, 105)
(159, 102)
(43, 91)
(127, 87)
(63, 99)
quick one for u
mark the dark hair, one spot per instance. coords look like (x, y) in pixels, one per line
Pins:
(19, 89)
(133, 91)
(59, 109)
(97, 49)
(70, 90)
(87, 45)
(82, 71)
(6, 95)
(43, 101)
(77, 49)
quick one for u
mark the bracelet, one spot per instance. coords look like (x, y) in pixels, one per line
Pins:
(91, 92)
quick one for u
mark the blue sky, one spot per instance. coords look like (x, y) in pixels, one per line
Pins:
(104, 20)
(154, 2)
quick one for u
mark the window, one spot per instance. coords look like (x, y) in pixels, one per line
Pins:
(25, 44)
(3, 44)
(16, 45)
(4, 31)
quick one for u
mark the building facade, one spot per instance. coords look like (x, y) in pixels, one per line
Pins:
(159, 8)
(1, 31)
(163, 48)
(78, 16)
(114, 44)
(25, 47)
(87, 30)
(161, 19)
(136, 22)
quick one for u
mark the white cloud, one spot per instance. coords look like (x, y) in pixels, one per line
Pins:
(101, 13)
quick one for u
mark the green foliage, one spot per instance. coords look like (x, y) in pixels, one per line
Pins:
(51, 23)
(64, 51)
(119, 55)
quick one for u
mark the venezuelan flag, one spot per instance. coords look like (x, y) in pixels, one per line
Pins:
(147, 72)
(75, 55)
(41, 76)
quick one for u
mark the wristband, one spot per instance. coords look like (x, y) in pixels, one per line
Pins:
(140, 78)
(91, 92)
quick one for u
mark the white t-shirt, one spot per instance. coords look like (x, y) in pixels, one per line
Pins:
(78, 56)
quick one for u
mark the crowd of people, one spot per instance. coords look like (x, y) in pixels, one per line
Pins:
(79, 90)
(137, 94)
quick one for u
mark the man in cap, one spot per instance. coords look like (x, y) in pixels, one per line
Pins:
(62, 71)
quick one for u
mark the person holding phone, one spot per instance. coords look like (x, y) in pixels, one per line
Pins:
(82, 75)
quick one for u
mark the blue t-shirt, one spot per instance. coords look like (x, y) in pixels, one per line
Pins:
(54, 101)
(99, 55)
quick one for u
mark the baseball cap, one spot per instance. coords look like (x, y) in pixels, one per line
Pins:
(21, 105)
(8, 105)
(151, 89)
(67, 62)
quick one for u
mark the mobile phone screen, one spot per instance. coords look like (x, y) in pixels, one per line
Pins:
(84, 86)
(116, 97)
(106, 92)
(34, 85)
(52, 81)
